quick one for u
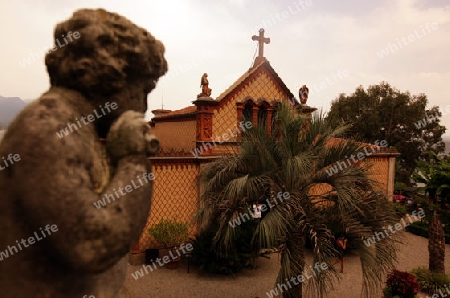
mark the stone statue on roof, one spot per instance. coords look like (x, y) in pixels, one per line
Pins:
(206, 91)
(303, 94)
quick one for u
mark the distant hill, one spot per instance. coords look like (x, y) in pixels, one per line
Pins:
(9, 108)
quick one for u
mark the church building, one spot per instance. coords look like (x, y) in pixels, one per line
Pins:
(210, 127)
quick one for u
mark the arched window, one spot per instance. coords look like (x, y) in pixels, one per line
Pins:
(262, 117)
(274, 123)
(247, 113)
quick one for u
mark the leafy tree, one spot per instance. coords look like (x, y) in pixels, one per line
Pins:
(435, 174)
(294, 159)
(384, 113)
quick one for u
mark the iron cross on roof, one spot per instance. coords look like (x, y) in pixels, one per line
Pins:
(261, 40)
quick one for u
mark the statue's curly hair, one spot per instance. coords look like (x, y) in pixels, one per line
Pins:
(109, 53)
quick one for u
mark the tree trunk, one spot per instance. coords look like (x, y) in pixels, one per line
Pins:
(436, 245)
(297, 249)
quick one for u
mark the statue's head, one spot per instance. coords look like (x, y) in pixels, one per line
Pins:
(111, 57)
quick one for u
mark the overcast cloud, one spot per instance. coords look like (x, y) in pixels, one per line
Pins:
(311, 41)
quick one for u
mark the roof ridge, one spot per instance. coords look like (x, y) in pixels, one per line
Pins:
(192, 109)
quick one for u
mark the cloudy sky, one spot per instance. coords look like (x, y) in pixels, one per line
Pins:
(331, 46)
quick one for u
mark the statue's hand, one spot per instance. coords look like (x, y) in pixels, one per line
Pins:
(130, 135)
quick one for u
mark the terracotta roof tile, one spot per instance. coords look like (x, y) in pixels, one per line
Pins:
(191, 110)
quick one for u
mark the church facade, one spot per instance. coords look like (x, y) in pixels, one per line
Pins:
(197, 134)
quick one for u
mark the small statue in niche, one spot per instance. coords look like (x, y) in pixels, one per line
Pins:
(207, 129)
(303, 94)
(206, 91)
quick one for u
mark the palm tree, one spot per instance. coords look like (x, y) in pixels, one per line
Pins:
(294, 159)
(435, 174)
(436, 245)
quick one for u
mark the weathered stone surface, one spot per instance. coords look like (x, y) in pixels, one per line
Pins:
(104, 75)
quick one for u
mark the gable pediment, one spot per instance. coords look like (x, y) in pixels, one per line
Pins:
(260, 83)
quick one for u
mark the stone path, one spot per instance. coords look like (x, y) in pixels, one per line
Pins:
(254, 283)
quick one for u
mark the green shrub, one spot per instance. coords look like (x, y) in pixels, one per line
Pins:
(430, 282)
(399, 186)
(169, 232)
(388, 294)
(421, 229)
(424, 203)
(418, 228)
(400, 210)
(212, 259)
(444, 216)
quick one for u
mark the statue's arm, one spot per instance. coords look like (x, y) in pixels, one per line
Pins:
(55, 186)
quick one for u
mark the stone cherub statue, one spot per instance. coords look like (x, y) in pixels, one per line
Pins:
(55, 242)
(204, 84)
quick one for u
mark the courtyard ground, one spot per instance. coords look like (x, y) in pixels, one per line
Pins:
(255, 283)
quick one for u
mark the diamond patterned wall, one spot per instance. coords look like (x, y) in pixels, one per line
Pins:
(379, 171)
(175, 196)
(176, 191)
